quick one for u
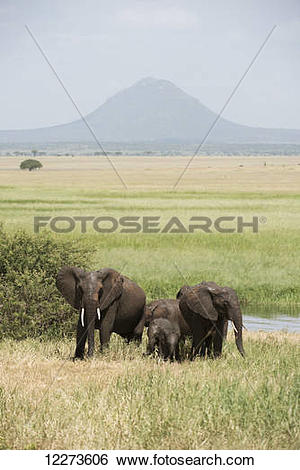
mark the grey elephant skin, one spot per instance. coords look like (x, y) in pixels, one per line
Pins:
(167, 308)
(206, 308)
(165, 335)
(105, 300)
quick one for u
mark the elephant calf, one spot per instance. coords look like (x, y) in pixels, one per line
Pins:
(167, 308)
(165, 335)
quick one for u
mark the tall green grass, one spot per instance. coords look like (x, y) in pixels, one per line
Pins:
(261, 266)
(121, 399)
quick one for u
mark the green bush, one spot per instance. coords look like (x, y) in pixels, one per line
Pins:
(30, 164)
(30, 304)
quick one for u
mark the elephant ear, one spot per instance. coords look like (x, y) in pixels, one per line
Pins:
(112, 292)
(182, 291)
(66, 282)
(198, 299)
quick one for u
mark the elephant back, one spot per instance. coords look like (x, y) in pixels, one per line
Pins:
(169, 309)
(133, 298)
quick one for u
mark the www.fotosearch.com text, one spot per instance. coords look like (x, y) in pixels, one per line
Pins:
(148, 224)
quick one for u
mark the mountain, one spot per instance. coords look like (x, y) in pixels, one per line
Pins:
(152, 110)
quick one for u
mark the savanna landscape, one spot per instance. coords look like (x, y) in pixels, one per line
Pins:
(121, 399)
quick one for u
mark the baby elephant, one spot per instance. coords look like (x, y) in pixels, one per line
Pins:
(165, 335)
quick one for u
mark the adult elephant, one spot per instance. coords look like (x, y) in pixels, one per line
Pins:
(105, 300)
(206, 308)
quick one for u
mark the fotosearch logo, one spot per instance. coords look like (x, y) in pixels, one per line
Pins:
(148, 224)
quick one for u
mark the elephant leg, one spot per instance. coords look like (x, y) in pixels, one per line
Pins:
(218, 338)
(161, 349)
(80, 340)
(209, 345)
(193, 351)
(181, 348)
(199, 340)
(172, 347)
(139, 329)
(151, 345)
(107, 326)
(203, 348)
(177, 354)
(127, 338)
(170, 351)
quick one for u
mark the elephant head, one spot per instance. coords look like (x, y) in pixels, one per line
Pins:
(90, 293)
(149, 311)
(183, 291)
(226, 301)
(210, 301)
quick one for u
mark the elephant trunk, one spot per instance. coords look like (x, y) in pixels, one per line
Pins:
(239, 341)
(90, 317)
(235, 315)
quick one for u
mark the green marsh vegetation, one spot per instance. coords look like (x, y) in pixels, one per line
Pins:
(120, 399)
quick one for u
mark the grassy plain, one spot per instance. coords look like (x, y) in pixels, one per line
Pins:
(121, 399)
(261, 266)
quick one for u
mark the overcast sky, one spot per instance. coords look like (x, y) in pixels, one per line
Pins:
(101, 46)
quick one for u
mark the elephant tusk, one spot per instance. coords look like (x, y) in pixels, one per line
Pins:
(234, 327)
(82, 317)
(98, 313)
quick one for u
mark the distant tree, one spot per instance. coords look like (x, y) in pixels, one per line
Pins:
(30, 165)
(34, 152)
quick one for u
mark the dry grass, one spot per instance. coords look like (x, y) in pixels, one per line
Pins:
(204, 174)
(123, 400)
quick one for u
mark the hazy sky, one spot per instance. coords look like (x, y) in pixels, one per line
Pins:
(101, 46)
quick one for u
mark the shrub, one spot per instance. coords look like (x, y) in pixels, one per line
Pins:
(30, 304)
(30, 165)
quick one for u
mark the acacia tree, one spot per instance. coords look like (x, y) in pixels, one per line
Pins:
(30, 165)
